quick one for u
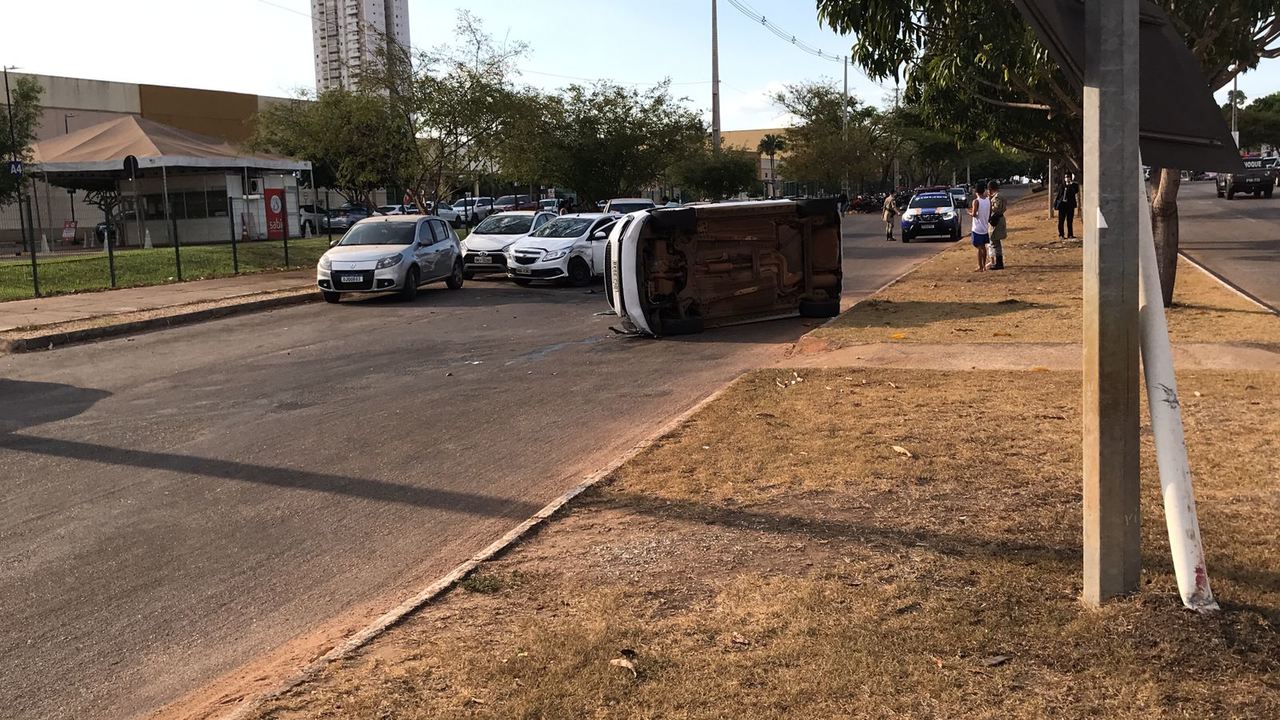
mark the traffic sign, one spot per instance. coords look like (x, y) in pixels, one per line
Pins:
(15, 167)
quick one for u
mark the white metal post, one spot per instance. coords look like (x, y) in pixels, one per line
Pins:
(1166, 427)
(715, 79)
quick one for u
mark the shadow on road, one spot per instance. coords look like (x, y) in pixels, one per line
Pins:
(24, 404)
(914, 313)
(460, 502)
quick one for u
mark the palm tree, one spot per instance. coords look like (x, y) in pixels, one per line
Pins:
(771, 145)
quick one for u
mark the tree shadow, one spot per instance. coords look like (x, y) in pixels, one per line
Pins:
(24, 403)
(917, 313)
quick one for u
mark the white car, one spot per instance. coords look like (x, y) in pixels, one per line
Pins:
(391, 253)
(445, 212)
(680, 270)
(473, 210)
(622, 206)
(571, 248)
(396, 210)
(484, 250)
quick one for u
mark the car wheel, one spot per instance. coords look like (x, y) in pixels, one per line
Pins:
(819, 308)
(579, 272)
(410, 289)
(906, 238)
(1267, 193)
(331, 296)
(468, 275)
(455, 280)
(522, 282)
(1231, 195)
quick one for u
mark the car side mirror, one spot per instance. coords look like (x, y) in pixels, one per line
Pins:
(600, 235)
(334, 242)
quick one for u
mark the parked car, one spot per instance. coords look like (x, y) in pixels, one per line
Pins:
(397, 210)
(506, 203)
(622, 206)
(550, 204)
(931, 214)
(473, 210)
(344, 217)
(444, 211)
(680, 270)
(959, 196)
(1256, 179)
(484, 250)
(569, 248)
(395, 253)
(309, 218)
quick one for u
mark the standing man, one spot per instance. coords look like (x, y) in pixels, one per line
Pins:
(999, 230)
(1068, 201)
(980, 211)
(890, 215)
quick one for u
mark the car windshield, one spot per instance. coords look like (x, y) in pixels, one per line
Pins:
(504, 225)
(505, 200)
(380, 233)
(930, 202)
(564, 228)
(629, 207)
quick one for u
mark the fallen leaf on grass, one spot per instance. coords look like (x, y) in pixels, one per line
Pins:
(898, 336)
(902, 451)
(936, 661)
(625, 664)
(739, 640)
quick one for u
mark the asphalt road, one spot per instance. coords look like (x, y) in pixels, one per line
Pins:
(1238, 240)
(176, 505)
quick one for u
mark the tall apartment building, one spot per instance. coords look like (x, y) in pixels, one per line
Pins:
(345, 35)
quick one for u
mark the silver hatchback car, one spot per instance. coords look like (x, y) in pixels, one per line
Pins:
(391, 254)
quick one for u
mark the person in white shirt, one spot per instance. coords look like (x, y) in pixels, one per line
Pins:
(980, 211)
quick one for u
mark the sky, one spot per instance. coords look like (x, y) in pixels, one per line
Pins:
(264, 46)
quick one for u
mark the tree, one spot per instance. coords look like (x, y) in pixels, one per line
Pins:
(979, 70)
(606, 141)
(717, 174)
(1236, 97)
(819, 151)
(24, 106)
(351, 138)
(770, 145)
(1259, 122)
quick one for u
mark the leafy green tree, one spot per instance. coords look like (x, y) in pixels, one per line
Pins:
(977, 69)
(819, 150)
(351, 137)
(24, 96)
(770, 145)
(1259, 122)
(607, 141)
(716, 174)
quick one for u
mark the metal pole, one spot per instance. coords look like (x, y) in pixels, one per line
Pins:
(168, 223)
(1049, 187)
(111, 256)
(285, 214)
(13, 156)
(715, 79)
(328, 223)
(1112, 520)
(1235, 93)
(1166, 426)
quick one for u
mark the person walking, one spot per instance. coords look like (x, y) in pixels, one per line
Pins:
(890, 215)
(1068, 201)
(999, 229)
(980, 211)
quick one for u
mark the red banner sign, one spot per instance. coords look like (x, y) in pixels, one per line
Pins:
(276, 227)
(68, 229)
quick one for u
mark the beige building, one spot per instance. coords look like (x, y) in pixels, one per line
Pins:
(749, 140)
(346, 34)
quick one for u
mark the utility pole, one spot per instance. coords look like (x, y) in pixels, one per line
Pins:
(1235, 94)
(1112, 521)
(715, 79)
(13, 157)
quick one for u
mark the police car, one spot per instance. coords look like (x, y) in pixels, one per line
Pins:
(931, 214)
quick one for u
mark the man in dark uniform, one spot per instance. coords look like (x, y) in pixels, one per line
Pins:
(1068, 201)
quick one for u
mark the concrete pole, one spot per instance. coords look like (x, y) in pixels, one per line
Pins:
(168, 223)
(1112, 521)
(715, 79)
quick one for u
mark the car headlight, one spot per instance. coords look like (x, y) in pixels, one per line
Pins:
(555, 254)
(390, 261)
(911, 213)
(325, 263)
(949, 215)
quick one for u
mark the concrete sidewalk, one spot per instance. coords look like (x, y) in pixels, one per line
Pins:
(64, 309)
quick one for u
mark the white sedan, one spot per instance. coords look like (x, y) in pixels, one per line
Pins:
(395, 253)
(570, 248)
(484, 250)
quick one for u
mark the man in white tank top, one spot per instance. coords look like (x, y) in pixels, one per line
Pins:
(980, 211)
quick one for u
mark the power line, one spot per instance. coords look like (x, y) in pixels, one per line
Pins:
(750, 12)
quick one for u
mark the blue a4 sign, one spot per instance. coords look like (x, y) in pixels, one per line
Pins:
(15, 167)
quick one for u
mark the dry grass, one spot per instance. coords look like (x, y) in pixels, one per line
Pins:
(773, 561)
(1038, 299)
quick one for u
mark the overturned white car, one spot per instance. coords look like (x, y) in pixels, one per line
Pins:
(680, 270)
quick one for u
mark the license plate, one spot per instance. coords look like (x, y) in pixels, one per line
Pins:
(482, 260)
(520, 270)
(352, 278)
(926, 226)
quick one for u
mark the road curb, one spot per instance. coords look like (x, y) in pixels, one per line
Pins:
(1228, 285)
(72, 337)
(446, 582)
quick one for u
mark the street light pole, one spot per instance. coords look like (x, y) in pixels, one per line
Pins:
(1112, 517)
(13, 157)
(715, 80)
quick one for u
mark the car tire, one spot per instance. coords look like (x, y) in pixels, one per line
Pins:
(410, 289)
(906, 238)
(456, 278)
(1231, 195)
(685, 326)
(330, 296)
(522, 282)
(819, 308)
(468, 275)
(1267, 193)
(579, 272)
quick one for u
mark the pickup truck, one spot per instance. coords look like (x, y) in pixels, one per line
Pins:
(1257, 179)
(675, 271)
